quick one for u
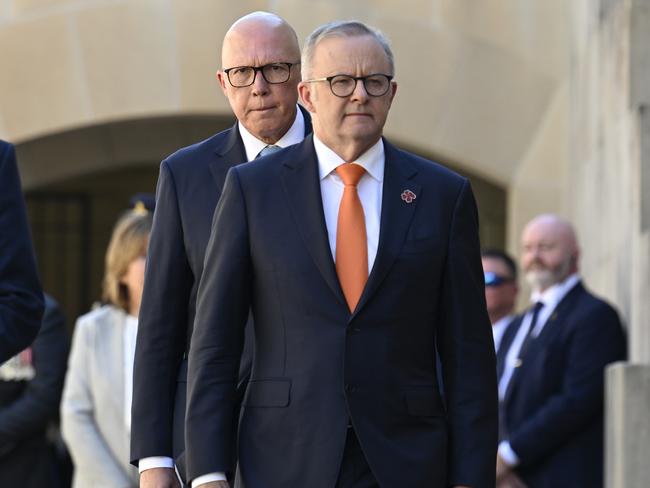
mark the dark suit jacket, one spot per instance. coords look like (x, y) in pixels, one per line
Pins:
(30, 402)
(21, 298)
(554, 405)
(316, 366)
(189, 187)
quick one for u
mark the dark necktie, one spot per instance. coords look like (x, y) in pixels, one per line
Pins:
(266, 150)
(529, 336)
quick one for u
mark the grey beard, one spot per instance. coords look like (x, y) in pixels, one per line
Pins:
(545, 278)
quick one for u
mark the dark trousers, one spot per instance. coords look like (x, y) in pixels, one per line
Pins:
(355, 472)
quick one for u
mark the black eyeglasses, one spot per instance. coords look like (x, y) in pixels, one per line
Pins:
(274, 73)
(343, 86)
(493, 279)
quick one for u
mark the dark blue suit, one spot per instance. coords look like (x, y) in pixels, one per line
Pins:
(29, 403)
(189, 187)
(21, 298)
(316, 367)
(554, 405)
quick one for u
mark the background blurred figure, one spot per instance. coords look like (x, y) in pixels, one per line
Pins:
(96, 406)
(501, 291)
(21, 298)
(553, 384)
(30, 392)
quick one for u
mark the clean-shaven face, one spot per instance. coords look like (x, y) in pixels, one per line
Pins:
(500, 299)
(352, 124)
(266, 110)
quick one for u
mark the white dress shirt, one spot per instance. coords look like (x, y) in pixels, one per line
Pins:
(252, 146)
(499, 328)
(294, 135)
(130, 333)
(370, 189)
(551, 297)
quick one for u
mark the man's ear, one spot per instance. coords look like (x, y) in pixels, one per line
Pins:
(307, 96)
(221, 78)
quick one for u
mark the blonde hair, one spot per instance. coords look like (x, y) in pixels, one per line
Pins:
(128, 242)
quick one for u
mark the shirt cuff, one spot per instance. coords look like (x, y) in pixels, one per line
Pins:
(207, 478)
(155, 462)
(507, 454)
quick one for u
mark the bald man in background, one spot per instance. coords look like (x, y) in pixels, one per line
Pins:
(259, 77)
(552, 387)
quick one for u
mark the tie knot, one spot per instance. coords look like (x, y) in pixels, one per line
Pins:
(350, 173)
(538, 306)
(269, 149)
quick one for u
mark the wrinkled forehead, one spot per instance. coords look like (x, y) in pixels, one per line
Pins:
(356, 55)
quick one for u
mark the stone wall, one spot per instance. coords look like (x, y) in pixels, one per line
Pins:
(607, 196)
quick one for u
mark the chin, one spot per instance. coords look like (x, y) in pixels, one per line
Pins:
(540, 279)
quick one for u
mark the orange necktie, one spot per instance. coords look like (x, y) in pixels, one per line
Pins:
(351, 242)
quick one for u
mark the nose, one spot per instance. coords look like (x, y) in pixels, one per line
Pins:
(259, 86)
(359, 94)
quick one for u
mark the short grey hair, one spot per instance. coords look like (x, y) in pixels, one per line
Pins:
(342, 28)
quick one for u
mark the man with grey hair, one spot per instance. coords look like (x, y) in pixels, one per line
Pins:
(259, 77)
(361, 263)
(552, 385)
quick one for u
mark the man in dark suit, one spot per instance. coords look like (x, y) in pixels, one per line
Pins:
(21, 298)
(30, 391)
(354, 286)
(260, 74)
(553, 383)
(501, 291)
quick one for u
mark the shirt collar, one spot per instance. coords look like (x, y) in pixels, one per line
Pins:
(294, 135)
(554, 295)
(373, 160)
(503, 321)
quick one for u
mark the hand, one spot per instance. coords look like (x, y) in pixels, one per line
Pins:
(510, 480)
(502, 468)
(159, 478)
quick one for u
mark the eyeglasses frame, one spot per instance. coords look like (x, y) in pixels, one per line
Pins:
(260, 69)
(356, 80)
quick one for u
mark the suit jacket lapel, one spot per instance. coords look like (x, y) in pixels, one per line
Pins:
(396, 216)
(552, 325)
(227, 156)
(555, 321)
(301, 184)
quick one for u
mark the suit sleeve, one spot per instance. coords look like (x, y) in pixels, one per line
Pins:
(162, 327)
(598, 341)
(78, 427)
(222, 310)
(21, 298)
(30, 413)
(467, 354)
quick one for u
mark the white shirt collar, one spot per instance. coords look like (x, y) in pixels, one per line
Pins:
(372, 160)
(499, 328)
(554, 295)
(294, 135)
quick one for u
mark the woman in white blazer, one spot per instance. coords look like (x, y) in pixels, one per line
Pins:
(96, 405)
